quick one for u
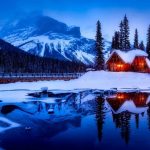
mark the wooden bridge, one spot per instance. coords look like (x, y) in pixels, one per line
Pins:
(30, 77)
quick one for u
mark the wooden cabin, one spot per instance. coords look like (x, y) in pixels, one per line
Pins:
(125, 61)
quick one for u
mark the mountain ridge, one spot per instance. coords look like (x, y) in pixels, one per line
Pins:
(15, 60)
(47, 37)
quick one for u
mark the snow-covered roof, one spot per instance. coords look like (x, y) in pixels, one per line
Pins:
(130, 107)
(128, 56)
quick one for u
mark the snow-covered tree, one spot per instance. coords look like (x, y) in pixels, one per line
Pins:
(136, 39)
(99, 47)
(121, 35)
(113, 43)
(116, 41)
(148, 42)
(126, 33)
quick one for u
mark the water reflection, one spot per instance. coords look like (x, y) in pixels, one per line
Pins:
(100, 116)
(126, 105)
(86, 113)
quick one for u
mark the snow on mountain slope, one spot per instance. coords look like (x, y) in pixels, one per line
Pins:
(45, 36)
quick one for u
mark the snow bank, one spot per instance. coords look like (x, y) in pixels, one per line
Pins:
(91, 80)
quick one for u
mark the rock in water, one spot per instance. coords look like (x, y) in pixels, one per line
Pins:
(44, 89)
(50, 111)
(28, 128)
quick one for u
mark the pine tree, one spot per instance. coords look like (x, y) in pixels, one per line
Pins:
(121, 35)
(148, 42)
(113, 43)
(99, 46)
(136, 40)
(141, 46)
(126, 33)
(116, 41)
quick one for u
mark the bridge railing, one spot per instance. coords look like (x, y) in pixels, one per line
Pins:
(36, 75)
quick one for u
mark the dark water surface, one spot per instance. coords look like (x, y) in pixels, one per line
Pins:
(77, 121)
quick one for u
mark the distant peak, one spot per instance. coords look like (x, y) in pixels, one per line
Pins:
(41, 25)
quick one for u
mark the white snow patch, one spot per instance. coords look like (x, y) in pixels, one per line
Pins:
(91, 80)
(88, 98)
(83, 55)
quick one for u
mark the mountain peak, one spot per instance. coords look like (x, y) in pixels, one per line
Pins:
(40, 25)
(44, 36)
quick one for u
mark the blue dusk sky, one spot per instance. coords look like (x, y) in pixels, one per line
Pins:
(85, 13)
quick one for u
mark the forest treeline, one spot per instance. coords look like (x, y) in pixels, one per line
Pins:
(15, 60)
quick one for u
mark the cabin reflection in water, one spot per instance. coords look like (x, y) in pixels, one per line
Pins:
(127, 106)
(132, 102)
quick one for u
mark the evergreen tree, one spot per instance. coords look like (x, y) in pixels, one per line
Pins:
(141, 46)
(148, 42)
(99, 46)
(116, 41)
(113, 43)
(121, 35)
(126, 32)
(136, 40)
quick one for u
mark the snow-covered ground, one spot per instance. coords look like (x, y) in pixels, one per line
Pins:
(91, 80)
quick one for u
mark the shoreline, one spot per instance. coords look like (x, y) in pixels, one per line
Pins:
(33, 79)
(91, 80)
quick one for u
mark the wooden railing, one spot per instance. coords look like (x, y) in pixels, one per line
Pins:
(38, 75)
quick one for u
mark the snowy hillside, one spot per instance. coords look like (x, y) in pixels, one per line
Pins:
(91, 80)
(45, 36)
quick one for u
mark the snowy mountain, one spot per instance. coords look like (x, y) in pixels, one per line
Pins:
(47, 37)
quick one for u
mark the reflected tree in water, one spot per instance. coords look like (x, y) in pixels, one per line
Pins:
(122, 121)
(137, 120)
(100, 116)
(148, 116)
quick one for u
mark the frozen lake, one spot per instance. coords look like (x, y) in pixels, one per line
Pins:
(74, 120)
